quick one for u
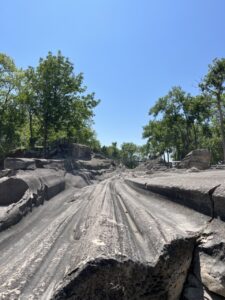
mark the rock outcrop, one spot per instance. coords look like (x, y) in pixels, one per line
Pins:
(104, 241)
(199, 158)
(210, 258)
(28, 182)
(19, 163)
(125, 249)
(12, 190)
(202, 191)
(79, 151)
(25, 190)
(206, 279)
(125, 238)
(94, 164)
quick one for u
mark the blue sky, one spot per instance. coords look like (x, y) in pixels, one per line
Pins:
(130, 51)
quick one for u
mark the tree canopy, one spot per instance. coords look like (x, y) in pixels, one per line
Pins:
(39, 105)
(180, 122)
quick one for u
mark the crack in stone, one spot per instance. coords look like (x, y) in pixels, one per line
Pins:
(210, 193)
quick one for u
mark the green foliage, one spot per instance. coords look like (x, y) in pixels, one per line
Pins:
(111, 151)
(11, 112)
(42, 104)
(60, 103)
(178, 119)
(129, 155)
(213, 86)
(180, 122)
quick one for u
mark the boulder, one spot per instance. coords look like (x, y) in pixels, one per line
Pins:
(152, 164)
(14, 163)
(12, 190)
(58, 164)
(6, 172)
(21, 192)
(99, 156)
(95, 164)
(79, 151)
(50, 181)
(78, 180)
(199, 158)
(54, 184)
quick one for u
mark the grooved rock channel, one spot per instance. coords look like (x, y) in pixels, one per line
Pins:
(113, 239)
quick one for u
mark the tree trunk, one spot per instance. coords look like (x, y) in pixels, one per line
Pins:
(31, 130)
(45, 138)
(187, 138)
(195, 136)
(168, 158)
(221, 123)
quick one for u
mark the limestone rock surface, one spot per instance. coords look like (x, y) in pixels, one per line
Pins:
(14, 163)
(125, 237)
(79, 151)
(103, 241)
(206, 279)
(199, 158)
(202, 191)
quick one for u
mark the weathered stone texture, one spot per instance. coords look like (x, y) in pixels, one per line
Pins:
(199, 158)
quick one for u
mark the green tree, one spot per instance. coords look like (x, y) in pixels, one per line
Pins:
(111, 151)
(129, 154)
(29, 102)
(177, 121)
(78, 118)
(160, 138)
(11, 111)
(213, 85)
(60, 103)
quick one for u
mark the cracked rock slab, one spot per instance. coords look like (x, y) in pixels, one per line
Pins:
(12, 190)
(203, 191)
(19, 163)
(105, 241)
(206, 279)
(21, 192)
(211, 253)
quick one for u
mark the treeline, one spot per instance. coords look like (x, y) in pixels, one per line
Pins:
(42, 104)
(180, 122)
(129, 154)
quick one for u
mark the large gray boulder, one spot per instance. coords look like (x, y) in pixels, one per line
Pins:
(12, 190)
(94, 164)
(199, 158)
(79, 151)
(21, 192)
(14, 163)
(54, 184)
(57, 164)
